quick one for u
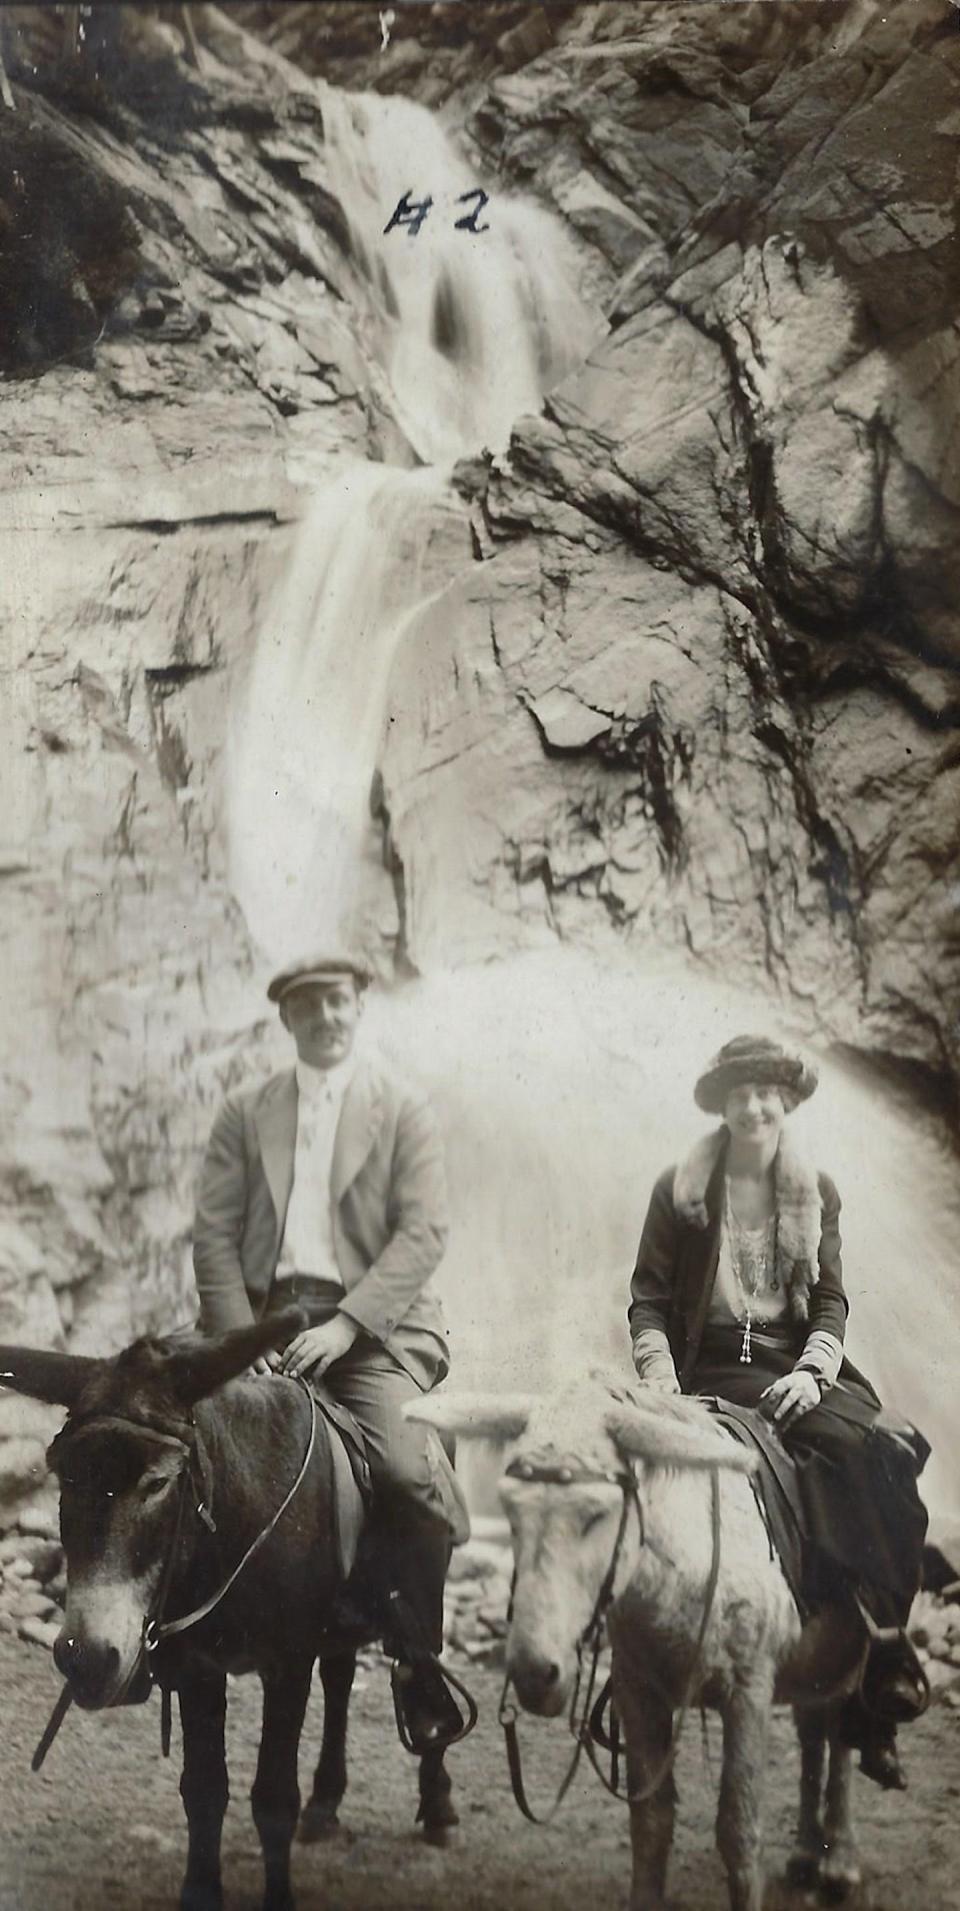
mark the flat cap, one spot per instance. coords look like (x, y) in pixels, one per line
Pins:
(323, 966)
(754, 1058)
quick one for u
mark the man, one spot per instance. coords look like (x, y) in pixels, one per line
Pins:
(325, 1185)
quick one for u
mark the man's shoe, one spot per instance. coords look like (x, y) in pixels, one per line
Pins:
(895, 1687)
(879, 1758)
(428, 1717)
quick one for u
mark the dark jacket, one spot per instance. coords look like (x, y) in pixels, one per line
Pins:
(677, 1263)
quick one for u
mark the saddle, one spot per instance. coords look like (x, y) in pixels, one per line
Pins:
(777, 1492)
(892, 1685)
(352, 1489)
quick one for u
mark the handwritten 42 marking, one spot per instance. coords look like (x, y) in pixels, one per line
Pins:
(412, 213)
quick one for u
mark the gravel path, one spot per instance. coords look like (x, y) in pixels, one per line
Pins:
(101, 1828)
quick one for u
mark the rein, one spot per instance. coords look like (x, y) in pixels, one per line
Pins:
(583, 1726)
(591, 1637)
(155, 1628)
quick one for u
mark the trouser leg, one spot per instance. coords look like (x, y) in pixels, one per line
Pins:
(416, 1506)
(411, 1512)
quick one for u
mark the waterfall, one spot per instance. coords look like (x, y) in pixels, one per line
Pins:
(471, 328)
(306, 726)
(563, 1084)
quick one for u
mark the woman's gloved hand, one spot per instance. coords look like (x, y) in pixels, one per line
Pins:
(790, 1397)
(657, 1371)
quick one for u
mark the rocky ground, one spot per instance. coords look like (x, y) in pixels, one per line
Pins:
(102, 1825)
(696, 698)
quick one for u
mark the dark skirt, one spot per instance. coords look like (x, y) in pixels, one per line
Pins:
(857, 1470)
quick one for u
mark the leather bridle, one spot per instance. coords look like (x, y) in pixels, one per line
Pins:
(590, 1640)
(157, 1629)
(583, 1720)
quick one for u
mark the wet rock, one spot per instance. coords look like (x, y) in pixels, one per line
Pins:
(39, 1632)
(30, 1554)
(477, 1559)
(70, 240)
(17, 1568)
(709, 577)
(31, 1603)
(41, 1521)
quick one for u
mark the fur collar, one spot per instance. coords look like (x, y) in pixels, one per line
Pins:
(798, 1210)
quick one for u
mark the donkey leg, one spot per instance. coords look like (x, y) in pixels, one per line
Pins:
(840, 1872)
(803, 1864)
(437, 1813)
(647, 1722)
(275, 1797)
(319, 1818)
(746, 1723)
(203, 1785)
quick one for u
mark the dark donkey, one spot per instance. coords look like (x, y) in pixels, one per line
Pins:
(167, 1477)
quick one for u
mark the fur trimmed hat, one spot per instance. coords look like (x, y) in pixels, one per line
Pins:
(754, 1058)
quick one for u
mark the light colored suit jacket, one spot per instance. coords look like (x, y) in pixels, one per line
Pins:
(389, 1211)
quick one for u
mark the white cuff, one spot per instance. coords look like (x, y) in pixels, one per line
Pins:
(822, 1354)
(652, 1357)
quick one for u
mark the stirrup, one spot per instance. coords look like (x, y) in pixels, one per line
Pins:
(893, 1686)
(603, 1724)
(450, 1723)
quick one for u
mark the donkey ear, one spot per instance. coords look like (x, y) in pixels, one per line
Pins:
(59, 1379)
(482, 1416)
(198, 1370)
(663, 1440)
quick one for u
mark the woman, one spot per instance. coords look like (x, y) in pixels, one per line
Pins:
(738, 1292)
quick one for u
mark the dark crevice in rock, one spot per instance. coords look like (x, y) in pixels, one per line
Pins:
(404, 967)
(168, 527)
(164, 679)
(660, 553)
(920, 1084)
(642, 747)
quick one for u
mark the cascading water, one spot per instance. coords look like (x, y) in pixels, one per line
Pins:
(472, 327)
(304, 734)
(563, 1084)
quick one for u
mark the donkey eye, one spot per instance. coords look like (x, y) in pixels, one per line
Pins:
(593, 1519)
(152, 1489)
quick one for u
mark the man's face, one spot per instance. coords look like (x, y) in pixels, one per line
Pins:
(322, 1018)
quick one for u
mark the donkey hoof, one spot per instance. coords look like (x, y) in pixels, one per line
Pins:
(201, 1897)
(803, 1871)
(318, 1822)
(838, 1882)
(437, 1816)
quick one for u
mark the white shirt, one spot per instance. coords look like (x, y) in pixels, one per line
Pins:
(308, 1244)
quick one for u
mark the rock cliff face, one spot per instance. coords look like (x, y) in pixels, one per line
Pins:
(699, 691)
(722, 568)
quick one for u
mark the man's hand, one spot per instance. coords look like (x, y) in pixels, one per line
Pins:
(317, 1348)
(793, 1395)
(268, 1363)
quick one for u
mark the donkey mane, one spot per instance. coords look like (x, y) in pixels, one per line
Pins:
(603, 1421)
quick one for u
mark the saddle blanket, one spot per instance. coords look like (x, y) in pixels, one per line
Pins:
(776, 1489)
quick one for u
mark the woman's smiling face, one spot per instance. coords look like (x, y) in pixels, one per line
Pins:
(754, 1111)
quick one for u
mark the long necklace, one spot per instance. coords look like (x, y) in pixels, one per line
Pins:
(752, 1253)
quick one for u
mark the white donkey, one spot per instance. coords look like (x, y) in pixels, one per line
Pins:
(699, 1613)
